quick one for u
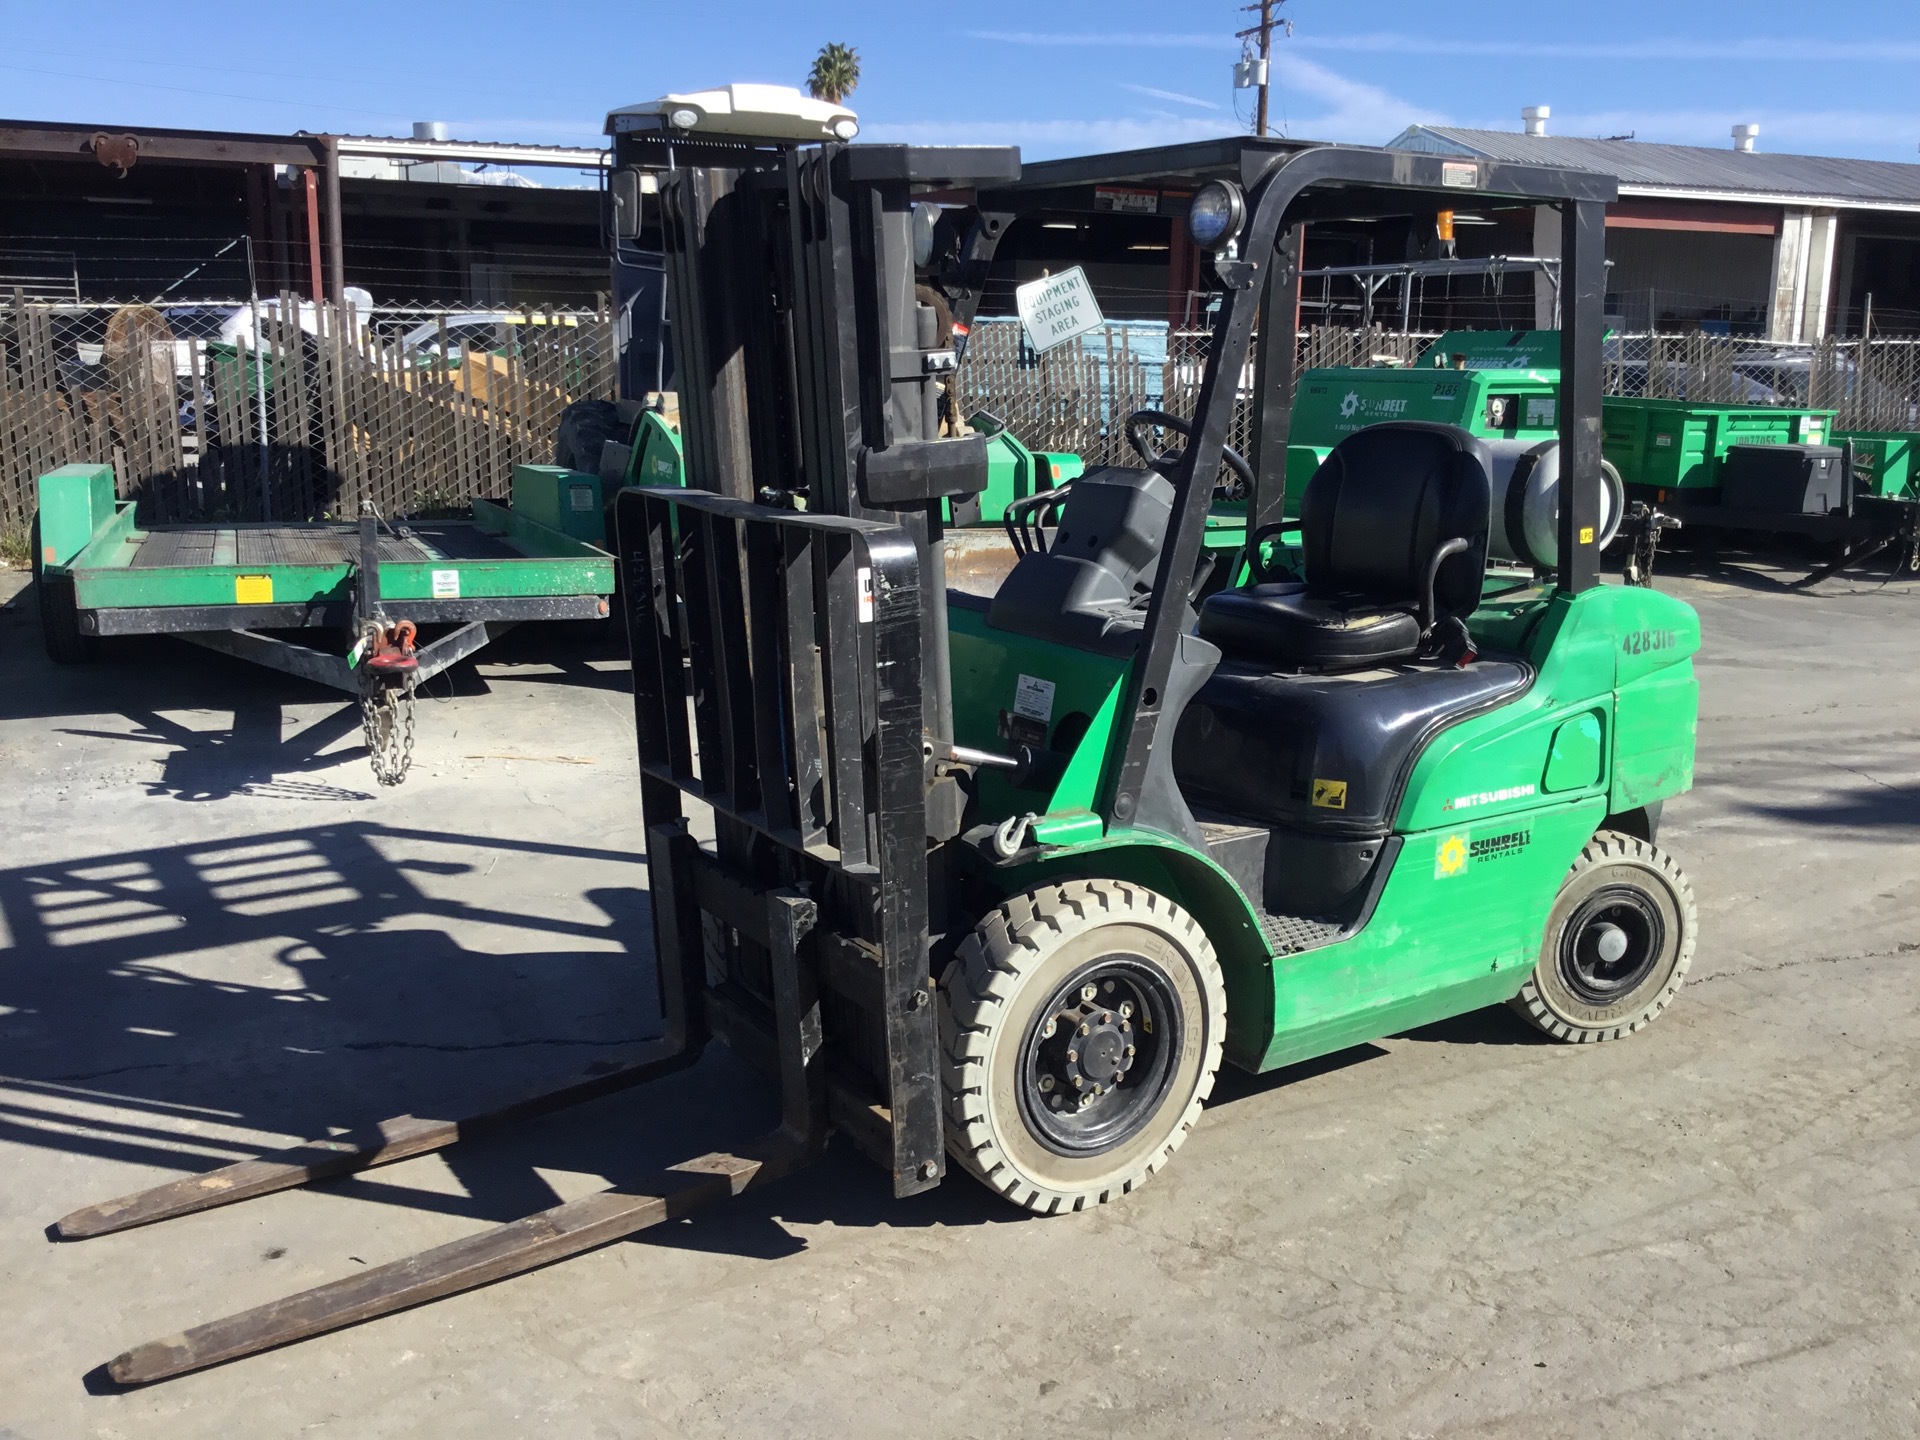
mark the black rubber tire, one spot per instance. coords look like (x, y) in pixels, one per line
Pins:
(60, 629)
(1005, 972)
(585, 426)
(1622, 863)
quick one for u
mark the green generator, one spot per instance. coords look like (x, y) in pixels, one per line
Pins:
(1500, 384)
(1013, 473)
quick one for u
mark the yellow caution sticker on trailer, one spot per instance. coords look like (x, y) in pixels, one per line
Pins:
(1586, 534)
(253, 589)
(1330, 794)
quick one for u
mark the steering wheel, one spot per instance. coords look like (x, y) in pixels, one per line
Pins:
(1237, 488)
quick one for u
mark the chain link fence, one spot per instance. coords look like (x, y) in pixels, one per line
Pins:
(1076, 397)
(291, 410)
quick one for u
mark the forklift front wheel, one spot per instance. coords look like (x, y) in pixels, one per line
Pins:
(1082, 1025)
(1618, 943)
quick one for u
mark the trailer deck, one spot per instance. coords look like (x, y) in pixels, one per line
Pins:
(350, 592)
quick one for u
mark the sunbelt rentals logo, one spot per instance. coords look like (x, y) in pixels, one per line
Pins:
(1455, 852)
(1349, 405)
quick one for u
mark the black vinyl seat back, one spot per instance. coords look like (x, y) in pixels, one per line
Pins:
(1385, 500)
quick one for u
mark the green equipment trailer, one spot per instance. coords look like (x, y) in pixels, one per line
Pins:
(370, 608)
(999, 883)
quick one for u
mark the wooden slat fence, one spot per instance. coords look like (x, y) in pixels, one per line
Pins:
(308, 426)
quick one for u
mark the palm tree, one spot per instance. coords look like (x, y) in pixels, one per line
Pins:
(835, 73)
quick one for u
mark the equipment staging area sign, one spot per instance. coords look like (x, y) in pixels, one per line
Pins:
(1055, 308)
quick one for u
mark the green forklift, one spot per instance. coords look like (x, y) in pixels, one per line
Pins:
(1000, 882)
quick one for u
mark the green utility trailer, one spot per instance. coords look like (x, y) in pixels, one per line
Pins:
(1676, 450)
(998, 883)
(348, 605)
(1884, 463)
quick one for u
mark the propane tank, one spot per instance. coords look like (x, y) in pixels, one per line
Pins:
(1526, 502)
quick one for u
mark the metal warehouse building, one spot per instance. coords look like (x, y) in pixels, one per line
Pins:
(1791, 247)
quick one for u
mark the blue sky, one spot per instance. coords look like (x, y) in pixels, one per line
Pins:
(1057, 77)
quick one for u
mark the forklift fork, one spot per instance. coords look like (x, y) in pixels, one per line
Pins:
(535, 1240)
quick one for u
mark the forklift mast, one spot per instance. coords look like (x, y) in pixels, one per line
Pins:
(807, 372)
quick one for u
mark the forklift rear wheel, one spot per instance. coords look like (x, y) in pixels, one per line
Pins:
(60, 628)
(1618, 943)
(1082, 1025)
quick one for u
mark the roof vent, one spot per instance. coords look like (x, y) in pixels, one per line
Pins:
(429, 129)
(1744, 136)
(1535, 118)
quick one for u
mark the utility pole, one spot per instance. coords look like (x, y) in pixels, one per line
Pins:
(1264, 32)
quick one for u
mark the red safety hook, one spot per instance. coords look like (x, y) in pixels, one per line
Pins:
(393, 649)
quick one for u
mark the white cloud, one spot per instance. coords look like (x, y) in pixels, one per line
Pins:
(1349, 110)
(1174, 95)
(1041, 139)
(1310, 102)
(1787, 48)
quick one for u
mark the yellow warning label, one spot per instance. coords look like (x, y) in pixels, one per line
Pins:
(1330, 794)
(253, 589)
(1586, 534)
(1451, 857)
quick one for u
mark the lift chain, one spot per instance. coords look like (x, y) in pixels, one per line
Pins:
(386, 715)
(389, 672)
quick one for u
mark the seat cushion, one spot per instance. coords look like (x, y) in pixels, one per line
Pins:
(1294, 627)
(1326, 754)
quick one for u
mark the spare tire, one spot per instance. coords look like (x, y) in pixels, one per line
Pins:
(585, 426)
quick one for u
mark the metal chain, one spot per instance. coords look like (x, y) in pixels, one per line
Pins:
(386, 717)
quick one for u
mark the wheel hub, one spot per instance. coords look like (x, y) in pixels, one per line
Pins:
(1098, 1056)
(1610, 945)
(1091, 1049)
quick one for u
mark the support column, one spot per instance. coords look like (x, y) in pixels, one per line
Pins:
(1583, 282)
(1789, 276)
(1546, 244)
(1823, 232)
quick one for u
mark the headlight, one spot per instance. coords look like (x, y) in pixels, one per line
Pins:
(1216, 214)
(846, 127)
(684, 118)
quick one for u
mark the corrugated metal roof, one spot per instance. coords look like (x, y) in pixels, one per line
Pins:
(1685, 167)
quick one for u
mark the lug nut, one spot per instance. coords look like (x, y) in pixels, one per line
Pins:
(1046, 1030)
(1073, 1057)
(1046, 1083)
(1128, 1052)
(1086, 1029)
(1085, 1100)
(1126, 1027)
(1087, 992)
(1106, 1017)
(1126, 1009)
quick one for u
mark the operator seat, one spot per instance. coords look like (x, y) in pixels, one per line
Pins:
(1328, 691)
(1394, 526)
